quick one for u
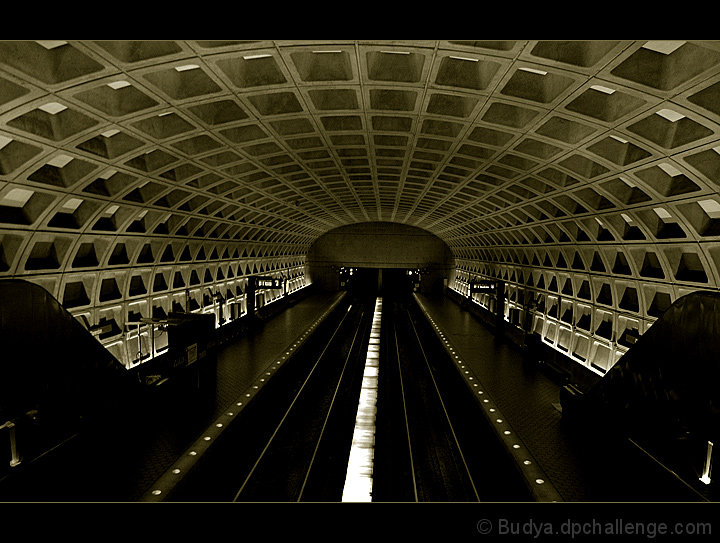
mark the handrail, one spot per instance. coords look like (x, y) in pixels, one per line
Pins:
(15, 458)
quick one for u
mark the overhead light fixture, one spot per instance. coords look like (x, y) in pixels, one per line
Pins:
(60, 161)
(670, 115)
(618, 138)
(396, 52)
(253, 57)
(532, 70)
(711, 207)
(51, 44)
(186, 67)
(71, 205)
(110, 133)
(53, 108)
(466, 58)
(16, 198)
(600, 88)
(115, 85)
(627, 182)
(320, 52)
(662, 213)
(664, 46)
(669, 169)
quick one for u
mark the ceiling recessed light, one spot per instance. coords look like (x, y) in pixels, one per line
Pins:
(60, 161)
(71, 205)
(53, 108)
(600, 88)
(51, 44)
(627, 181)
(532, 70)
(111, 210)
(662, 213)
(465, 58)
(110, 133)
(669, 169)
(664, 46)
(107, 174)
(711, 207)
(670, 115)
(186, 67)
(16, 198)
(118, 84)
(253, 57)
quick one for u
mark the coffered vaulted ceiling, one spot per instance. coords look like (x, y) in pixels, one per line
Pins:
(510, 151)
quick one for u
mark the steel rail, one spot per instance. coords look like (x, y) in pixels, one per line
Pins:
(405, 415)
(330, 408)
(290, 408)
(442, 403)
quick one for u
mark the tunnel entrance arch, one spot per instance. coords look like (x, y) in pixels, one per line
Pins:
(380, 245)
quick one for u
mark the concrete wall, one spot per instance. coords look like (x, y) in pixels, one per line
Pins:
(379, 245)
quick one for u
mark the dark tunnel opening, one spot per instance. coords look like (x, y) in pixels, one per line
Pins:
(393, 283)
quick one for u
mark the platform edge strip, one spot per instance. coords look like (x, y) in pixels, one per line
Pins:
(164, 484)
(535, 477)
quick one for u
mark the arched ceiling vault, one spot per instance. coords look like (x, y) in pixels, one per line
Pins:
(510, 151)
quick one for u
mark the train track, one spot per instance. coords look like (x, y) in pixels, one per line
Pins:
(294, 443)
(443, 453)
(432, 443)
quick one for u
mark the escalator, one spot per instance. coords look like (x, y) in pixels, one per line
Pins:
(662, 394)
(55, 376)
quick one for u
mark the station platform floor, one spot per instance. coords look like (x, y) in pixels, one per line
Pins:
(127, 462)
(121, 463)
(528, 398)
(238, 366)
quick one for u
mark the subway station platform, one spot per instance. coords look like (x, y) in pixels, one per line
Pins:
(128, 461)
(123, 461)
(528, 398)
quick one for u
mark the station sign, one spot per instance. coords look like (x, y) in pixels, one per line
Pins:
(482, 285)
(267, 282)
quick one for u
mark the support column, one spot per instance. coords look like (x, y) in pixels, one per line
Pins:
(500, 308)
(250, 296)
